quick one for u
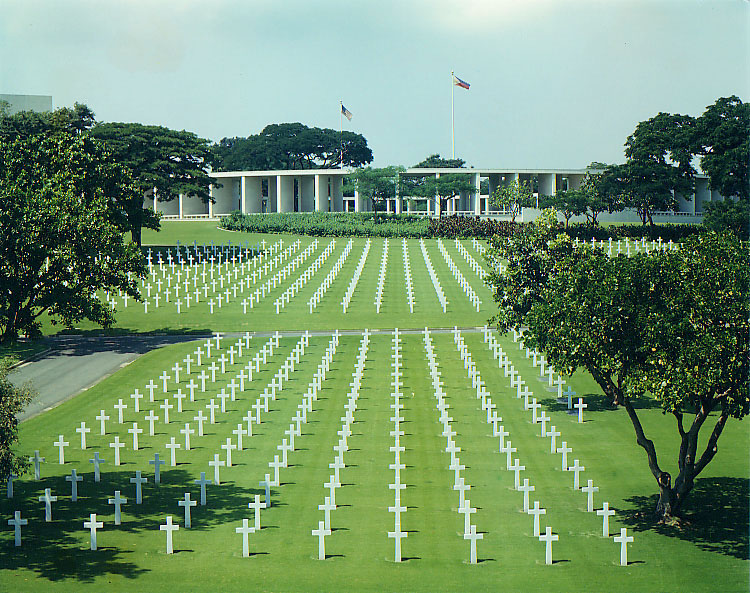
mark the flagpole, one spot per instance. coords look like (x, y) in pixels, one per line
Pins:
(453, 122)
(341, 134)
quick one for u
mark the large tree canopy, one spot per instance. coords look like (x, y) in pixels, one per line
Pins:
(435, 161)
(671, 326)
(174, 162)
(60, 241)
(723, 141)
(292, 146)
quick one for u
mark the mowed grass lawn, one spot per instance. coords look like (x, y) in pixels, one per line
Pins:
(394, 311)
(55, 556)
(710, 552)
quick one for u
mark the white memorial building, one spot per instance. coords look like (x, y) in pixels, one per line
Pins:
(321, 190)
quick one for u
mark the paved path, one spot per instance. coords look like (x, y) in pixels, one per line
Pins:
(76, 363)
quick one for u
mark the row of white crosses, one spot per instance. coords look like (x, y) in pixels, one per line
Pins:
(151, 418)
(523, 392)
(459, 484)
(433, 276)
(478, 247)
(139, 480)
(473, 263)
(639, 246)
(506, 446)
(257, 274)
(381, 277)
(460, 278)
(355, 277)
(201, 256)
(329, 502)
(230, 446)
(397, 486)
(117, 445)
(537, 360)
(309, 273)
(292, 290)
(407, 275)
(330, 277)
(287, 444)
(239, 261)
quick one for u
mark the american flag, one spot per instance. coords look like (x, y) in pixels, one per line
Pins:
(346, 113)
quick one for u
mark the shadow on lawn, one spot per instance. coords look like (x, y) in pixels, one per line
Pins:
(716, 518)
(59, 551)
(94, 342)
(596, 402)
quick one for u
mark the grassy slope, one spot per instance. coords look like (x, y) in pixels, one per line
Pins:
(209, 554)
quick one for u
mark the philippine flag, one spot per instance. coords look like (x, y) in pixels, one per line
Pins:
(458, 82)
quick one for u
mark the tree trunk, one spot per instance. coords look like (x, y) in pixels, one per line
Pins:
(135, 234)
(665, 508)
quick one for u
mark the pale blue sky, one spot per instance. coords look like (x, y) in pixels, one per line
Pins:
(554, 83)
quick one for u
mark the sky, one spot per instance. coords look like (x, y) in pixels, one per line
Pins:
(554, 83)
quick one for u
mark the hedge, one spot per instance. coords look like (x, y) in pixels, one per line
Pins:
(363, 224)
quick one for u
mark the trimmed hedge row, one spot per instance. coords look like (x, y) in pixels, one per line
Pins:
(674, 232)
(363, 224)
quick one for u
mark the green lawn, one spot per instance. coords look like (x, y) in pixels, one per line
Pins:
(361, 555)
(55, 556)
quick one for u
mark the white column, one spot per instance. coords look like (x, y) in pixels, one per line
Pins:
(211, 201)
(242, 195)
(284, 193)
(702, 195)
(321, 193)
(252, 198)
(307, 193)
(437, 199)
(476, 199)
(547, 185)
(337, 193)
(179, 205)
(272, 191)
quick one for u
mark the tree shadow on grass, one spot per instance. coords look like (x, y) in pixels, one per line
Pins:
(716, 518)
(596, 402)
(58, 551)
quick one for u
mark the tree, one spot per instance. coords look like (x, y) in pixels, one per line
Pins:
(513, 197)
(569, 203)
(658, 167)
(723, 139)
(23, 124)
(435, 161)
(378, 185)
(443, 188)
(293, 146)
(60, 241)
(673, 325)
(728, 216)
(12, 401)
(171, 162)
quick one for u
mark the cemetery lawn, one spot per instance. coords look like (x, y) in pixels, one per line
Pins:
(709, 554)
(328, 314)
